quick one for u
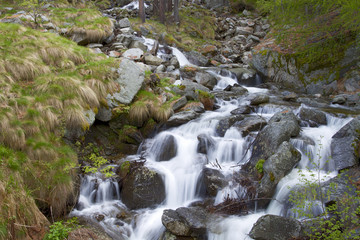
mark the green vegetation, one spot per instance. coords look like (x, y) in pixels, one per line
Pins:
(47, 84)
(340, 215)
(259, 166)
(60, 230)
(315, 33)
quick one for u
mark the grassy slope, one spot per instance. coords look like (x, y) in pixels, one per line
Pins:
(46, 84)
(317, 33)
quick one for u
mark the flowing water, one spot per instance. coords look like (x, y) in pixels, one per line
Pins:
(181, 173)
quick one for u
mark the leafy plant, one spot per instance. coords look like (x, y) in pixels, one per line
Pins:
(34, 7)
(98, 164)
(60, 230)
(259, 166)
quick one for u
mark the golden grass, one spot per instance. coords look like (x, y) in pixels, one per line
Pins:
(161, 113)
(139, 113)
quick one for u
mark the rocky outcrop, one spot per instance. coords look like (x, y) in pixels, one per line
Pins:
(313, 117)
(131, 78)
(211, 181)
(142, 188)
(281, 127)
(276, 167)
(345, 145)
(206, 143)
(226, 123)
(249, 124)
(167, 150)
(272, 227)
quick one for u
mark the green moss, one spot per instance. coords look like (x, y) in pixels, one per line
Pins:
(204, 94)
(259, 166)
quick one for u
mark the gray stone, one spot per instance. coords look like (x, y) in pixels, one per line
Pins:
(249, 124)
(124, 23)
(197, 59)
(281, 127)
(160, 69)
(152, 60)
(244, 109)
(271, 227)
(138, 44)
(181, 102)
(174, 61)
(245, 76)
(344, 153)
(181, 118)
(211, 181)
(167, 150)
(133, 54)
(340, 99)
(95, 45)
(173, 223)
(196, 218)
(206, 79)
(124, 39)
(206, 143)
(313, 116)
(244, 31)
(259, 99)
(225, 123)
(142, 188)
(275, 168)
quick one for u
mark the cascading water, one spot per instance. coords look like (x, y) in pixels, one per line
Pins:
(181, 172)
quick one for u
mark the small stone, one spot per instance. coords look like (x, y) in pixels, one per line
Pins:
(99, 217)
(124, 23)
(133, 54)
(96, 50)
(94, 45)
(114, 54)
(339, 100)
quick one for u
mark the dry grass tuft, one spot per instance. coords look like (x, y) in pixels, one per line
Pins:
(161, 113)
(25, 69)
(139, 113)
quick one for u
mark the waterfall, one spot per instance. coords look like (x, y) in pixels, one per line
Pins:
(182, 171)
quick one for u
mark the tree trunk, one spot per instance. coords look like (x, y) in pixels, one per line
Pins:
(169, 6)
(142, 10)
(162, 11)
(176, 11)
(156, 7)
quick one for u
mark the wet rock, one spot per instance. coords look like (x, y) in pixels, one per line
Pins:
(340, 99)
(186, 222)
(250, 124)
(168, 149)
(238, 90)
(211, 181)
(197, 59)
(244, 109)
(142, 188)
(206, 142)
(206, 79)
(181, 118)
(245, 76)
(175, 62)
(281, 127)
(259, 99)
(226, 123)
(169, 236)
(99, 217)
(174, 224)
(313, 116)
(345, 145)
(275, 168)
(290, 96)
(271, 227)
(134, 54)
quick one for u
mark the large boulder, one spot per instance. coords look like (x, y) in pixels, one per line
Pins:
(186, 221)
(133, 54)
(181, 118)
(245, 76)
(131, 78)
(142, 188)
(153, 60)
(313, 116)
(276, 167)
(211, 181)
(206, 143)
(166, 149)
(345, 145)
(249, 124)
(281, 127)
(272, 227)
(225, 123)
(197, 59)
(206, 79)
